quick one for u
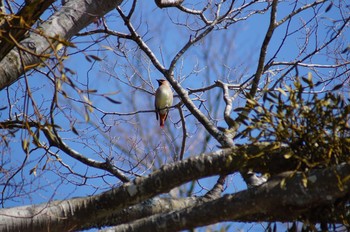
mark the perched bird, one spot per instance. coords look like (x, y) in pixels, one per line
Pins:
(253, 180)
(164, 99)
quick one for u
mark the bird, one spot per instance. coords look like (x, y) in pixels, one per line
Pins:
(253, 180)
(163, 100)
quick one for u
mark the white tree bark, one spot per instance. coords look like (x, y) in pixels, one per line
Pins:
(65, 23)
(294, 199)
(89, 212)
(250, 205)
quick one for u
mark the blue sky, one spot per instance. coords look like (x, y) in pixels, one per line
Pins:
(229, 55)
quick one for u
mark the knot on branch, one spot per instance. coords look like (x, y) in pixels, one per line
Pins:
(168, 3)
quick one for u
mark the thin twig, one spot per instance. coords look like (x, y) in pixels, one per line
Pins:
(184, 131)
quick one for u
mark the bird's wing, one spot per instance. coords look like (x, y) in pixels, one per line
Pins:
(157, 110)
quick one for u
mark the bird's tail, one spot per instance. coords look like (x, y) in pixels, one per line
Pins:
(162, 118)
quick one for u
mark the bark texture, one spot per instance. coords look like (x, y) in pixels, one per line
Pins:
(296, 197)
(65, 23)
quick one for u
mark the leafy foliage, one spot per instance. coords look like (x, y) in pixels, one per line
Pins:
(316, 127)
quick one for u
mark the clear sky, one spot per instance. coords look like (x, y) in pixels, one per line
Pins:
(228, 54)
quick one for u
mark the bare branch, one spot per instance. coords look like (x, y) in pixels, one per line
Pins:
(16, 27)
(263, 50)
(316, 50)
(56, 141)
(261, 63)
(184, 132)
(295, 63)
(228, 101)
(252, 205)
(168, 3)
(225, 141)
(61, 25)
(297, 11)
(138, 39)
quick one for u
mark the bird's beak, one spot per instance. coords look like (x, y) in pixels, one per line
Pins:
(159, 82)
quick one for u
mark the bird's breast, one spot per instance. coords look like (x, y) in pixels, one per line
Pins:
(164, 98)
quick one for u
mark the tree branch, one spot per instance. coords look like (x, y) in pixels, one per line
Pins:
(16, 27)
(268, 202)
(184, 132)
(64, 215)
(86, 212)
(145, 209)
(261, 62)
(228, 101)
(182, 93)
(56, 141)
(64, 24)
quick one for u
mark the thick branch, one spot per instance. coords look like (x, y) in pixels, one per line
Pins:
(63, 215)
(87, 212)
(16, 27)
(146, 209)
(162, 206)
(269, 202)
(228, 101)
(64, 24)
(168, 3)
